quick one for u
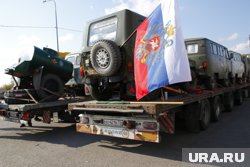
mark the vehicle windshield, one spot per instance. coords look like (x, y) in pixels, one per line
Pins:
(71, 59)
(105, 29)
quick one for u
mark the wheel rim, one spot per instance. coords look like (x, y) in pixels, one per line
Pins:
(102, 58)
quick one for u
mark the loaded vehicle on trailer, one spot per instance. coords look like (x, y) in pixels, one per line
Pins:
(213, 92)
(237, 66)
(210, 61)
(108, 54)
(41, 79)
(246, 61)
(42, 75)
(75, 84)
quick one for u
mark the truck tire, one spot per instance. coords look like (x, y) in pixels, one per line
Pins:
(216, 108)
(54, 84)
(205, 114)
(105, 57)
(238, 97)
(198, 116)
(192, 118)
(99, 94)
(228, 101)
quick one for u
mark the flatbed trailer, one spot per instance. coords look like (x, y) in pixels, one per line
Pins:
(144, 120)
(23, 113)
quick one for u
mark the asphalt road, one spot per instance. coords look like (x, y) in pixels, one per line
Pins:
(59, 144)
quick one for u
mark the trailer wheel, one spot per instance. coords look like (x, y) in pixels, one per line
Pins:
(205, 114)
(99, 93)
(238, 97)
(192, 117)
(198, 116)
(52, 83)
(228, 101)
(216, 108)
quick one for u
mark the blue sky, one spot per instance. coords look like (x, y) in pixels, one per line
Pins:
(223, 21)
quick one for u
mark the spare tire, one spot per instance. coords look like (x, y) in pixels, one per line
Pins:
(105, 57)
(53, 83)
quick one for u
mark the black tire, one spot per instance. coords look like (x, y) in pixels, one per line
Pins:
(216, 108)
(238, 97)
(192, 115)
(100, 94)
(105, 57)
(205, 117)
(54, 84)
(228, 101)
(198, 116)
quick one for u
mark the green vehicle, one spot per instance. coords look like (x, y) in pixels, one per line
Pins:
(107, 56)
(210, 62)
(41, 74)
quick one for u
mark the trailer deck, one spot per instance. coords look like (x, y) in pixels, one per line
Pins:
(144, 120)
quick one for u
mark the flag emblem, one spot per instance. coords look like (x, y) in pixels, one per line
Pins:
(160, 56)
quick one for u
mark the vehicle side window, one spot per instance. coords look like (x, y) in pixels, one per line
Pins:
(226, 53)
(220, 51)
(211, 47)
(215, 49)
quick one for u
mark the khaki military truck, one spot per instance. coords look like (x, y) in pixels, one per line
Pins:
(246, 61)
(210, 61)
(107, 55)
(238, 67)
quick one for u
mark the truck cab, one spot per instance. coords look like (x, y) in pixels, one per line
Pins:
(76, 82)
(107, 55)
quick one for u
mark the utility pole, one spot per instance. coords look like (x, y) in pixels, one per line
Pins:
(57, 41)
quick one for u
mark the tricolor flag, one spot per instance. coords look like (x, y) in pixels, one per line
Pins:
(160, 56)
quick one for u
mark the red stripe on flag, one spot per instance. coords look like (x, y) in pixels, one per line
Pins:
(141, 69)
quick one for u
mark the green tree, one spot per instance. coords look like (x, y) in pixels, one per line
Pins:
(7, 86)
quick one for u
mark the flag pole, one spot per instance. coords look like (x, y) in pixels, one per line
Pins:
(130, 36)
